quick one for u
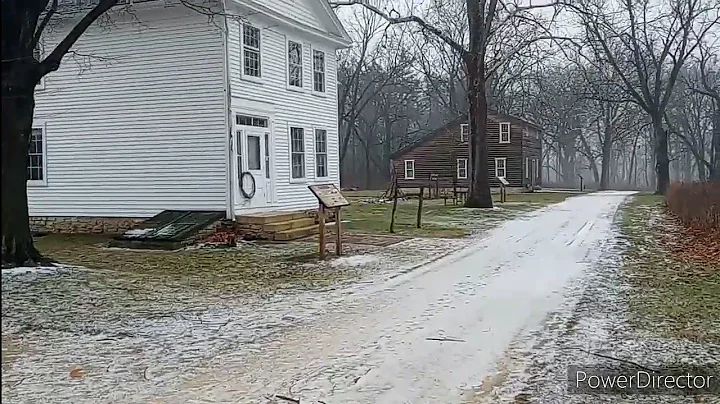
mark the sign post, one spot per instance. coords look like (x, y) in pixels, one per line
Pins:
(503, 188)
(329, 197)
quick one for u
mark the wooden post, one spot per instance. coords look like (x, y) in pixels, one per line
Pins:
(321, 229)
(419, 212)
(394, 208)
(338, 229)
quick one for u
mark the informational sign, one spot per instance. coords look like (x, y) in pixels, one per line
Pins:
(503, 181)
(329, 195)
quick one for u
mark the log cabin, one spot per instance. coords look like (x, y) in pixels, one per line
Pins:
(514, 152)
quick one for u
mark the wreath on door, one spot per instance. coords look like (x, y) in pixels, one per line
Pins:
(247, 193)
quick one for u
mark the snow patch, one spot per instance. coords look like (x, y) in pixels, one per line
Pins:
(354, 260)
(29, 270)
(138, 232)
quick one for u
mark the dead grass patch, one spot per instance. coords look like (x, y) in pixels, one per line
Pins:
(669, 295)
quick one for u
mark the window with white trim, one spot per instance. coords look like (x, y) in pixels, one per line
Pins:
(504, 132)
(537, 168)
(321, 161)
(500, 167)
(462, 168)
(251, 51)
(464, 131)
(297, 152)
(409, 169)
(527, 167)
(295, 67)
(319, 71)
(36, 157)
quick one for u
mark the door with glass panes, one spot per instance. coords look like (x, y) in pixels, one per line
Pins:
(252, 162)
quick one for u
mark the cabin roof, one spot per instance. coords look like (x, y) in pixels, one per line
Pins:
(460, 120)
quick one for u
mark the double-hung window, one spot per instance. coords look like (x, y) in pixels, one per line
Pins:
(409, 169)
(295, 64)
(464, 130)
(500, 167)
(319, 71)
(504, 132)
(297, 152)
(36, 157)
(251, 51)
(462, 168)
(321, 162)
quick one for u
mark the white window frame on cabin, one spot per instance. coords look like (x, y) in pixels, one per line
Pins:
(504, 166)
(42, 126)
(302, 153)
(258, 50)
(316, 72)
(288, 84)
(321, 154)
(537, 168)
(464, 129)
(527, 167)
(412, 163)
(462, 168)
(508, 126)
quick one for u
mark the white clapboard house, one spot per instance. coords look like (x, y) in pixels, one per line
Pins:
(167, 108)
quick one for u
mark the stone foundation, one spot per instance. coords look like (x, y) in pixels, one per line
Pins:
(83, 225)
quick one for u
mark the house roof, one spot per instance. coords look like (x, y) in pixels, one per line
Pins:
(430, 136)
(460, 120)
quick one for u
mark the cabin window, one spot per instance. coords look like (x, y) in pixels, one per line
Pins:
(500, 167)
(462, 168)
(504, 132)
(295, 68)
(319, 71)
(321, 160)
(464, 130)
(297, 152)
(36, 157)
(251, 50)
(527, 167)
(409, 169)
(537, 168)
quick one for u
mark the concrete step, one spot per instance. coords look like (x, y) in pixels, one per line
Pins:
(302, 232)
(288, 225)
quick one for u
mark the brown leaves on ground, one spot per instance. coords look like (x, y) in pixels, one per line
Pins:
(77, 372)
(694, 243)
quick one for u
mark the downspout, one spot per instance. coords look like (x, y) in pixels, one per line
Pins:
(229, 193)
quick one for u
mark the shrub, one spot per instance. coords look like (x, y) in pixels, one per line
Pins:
(696, 204)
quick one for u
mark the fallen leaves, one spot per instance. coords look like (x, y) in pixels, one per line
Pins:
(77, 372)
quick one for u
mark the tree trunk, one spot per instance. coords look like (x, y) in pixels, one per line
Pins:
(606, 157)
(662, 161)
(17, 115)
(632, 173)
(715, 170)
(479, 194)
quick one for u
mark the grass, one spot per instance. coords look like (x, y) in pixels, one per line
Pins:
(438, 220)
(670, 296)
(248, 269)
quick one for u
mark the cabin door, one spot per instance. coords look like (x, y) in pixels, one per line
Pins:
(252, 161)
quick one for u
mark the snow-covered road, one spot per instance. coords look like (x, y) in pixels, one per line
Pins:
(380, 345)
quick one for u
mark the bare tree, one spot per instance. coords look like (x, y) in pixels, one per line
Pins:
(487, 21)
(25, 22)
(647, 44)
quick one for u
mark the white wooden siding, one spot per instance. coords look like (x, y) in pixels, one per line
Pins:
(305, 12)
(143, 130)
(289, 107)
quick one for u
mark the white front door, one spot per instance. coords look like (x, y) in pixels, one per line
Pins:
(253, 170)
